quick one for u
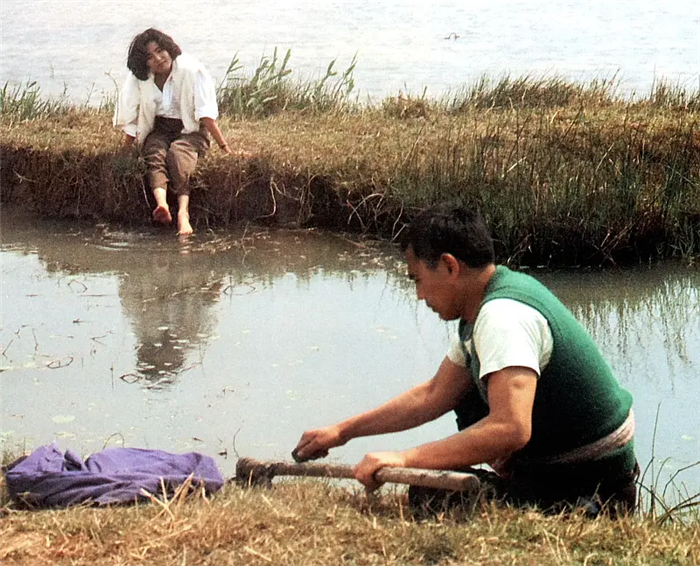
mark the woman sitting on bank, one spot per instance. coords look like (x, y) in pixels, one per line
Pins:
(168, 107)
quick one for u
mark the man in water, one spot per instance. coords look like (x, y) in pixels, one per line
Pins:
(533, 396)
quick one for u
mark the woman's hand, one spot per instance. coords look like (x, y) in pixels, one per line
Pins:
(125, 158)
(128, 150)
(213, 129)
(129, 142)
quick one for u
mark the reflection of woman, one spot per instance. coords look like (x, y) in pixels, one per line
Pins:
(171, 303)
(167, 105)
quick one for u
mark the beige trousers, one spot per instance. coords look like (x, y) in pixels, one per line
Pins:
(171, 156)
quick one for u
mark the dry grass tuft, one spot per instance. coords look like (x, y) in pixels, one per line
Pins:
(314, 522)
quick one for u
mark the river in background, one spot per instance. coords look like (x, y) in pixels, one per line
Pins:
(236, 342)
(80, 46)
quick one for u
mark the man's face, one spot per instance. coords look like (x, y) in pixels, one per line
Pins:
(435, 286)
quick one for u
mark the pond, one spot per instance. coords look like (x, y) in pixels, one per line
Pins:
(234, 343)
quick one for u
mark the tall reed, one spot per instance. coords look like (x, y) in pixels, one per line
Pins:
(271, 90)
(26, 102)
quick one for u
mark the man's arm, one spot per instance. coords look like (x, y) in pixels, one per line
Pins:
(506, 429)
(418, 405)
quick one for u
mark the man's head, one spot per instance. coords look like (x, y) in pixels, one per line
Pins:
(459, 232)
(450, 257)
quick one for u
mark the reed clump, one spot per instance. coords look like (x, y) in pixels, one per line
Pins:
(564, 173)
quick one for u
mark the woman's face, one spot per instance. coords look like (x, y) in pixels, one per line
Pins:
(159, 60)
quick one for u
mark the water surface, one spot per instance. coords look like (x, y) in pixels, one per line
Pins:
(235, 343)
(404, 45)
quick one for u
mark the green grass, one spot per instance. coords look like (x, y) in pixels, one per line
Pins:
(271, 90)
(25, 102)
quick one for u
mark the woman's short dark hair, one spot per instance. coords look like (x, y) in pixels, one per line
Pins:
(443, 229)
(137, 61)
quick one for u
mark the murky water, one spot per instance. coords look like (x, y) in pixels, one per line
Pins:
(236, 342)
(404, 45)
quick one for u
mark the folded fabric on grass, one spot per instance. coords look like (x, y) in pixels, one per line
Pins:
(50, 478)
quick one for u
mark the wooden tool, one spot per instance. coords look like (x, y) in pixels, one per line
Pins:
(260, 473)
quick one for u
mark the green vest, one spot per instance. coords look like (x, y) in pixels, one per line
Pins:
(577, 400)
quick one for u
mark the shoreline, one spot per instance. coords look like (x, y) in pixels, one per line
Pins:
(565, 175)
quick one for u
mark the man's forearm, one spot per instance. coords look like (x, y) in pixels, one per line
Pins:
(485, 441)
(422, 403)
(417, 406)
(408, 410)
(506, 429)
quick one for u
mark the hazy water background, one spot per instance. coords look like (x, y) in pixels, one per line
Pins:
(400, 44)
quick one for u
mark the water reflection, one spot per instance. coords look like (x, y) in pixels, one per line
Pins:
(647, 318)
(169, 290)
(170, 308)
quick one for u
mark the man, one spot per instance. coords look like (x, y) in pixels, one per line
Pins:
(533, 396)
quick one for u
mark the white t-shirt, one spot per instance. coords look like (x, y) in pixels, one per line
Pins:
(507, 333)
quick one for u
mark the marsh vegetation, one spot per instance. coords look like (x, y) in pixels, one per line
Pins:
(314, 522)
(566, 174)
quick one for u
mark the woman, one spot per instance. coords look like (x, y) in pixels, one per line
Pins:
(168, 107)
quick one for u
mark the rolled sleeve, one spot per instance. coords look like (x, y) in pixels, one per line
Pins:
(455, 353)
(205, 105)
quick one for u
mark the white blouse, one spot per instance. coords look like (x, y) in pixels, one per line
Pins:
(188, 94)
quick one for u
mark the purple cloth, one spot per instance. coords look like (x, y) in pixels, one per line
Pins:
(48, 478)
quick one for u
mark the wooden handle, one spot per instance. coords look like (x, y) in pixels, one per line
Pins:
(255, 472)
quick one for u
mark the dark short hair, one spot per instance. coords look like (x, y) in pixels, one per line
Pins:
(443, 229)
(137, 60)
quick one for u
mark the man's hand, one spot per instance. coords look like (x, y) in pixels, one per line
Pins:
(371, 463)
(315, 443)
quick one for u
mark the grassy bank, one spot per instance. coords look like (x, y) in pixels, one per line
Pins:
(307, 523)
(565, 173)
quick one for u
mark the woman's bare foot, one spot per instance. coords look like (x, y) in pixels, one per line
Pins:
(161, 214)
(183, 225)
(183, 215)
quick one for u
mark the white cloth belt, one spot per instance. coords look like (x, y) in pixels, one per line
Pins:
(618, 438)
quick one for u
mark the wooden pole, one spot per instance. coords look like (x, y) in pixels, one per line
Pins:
(255, 472)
